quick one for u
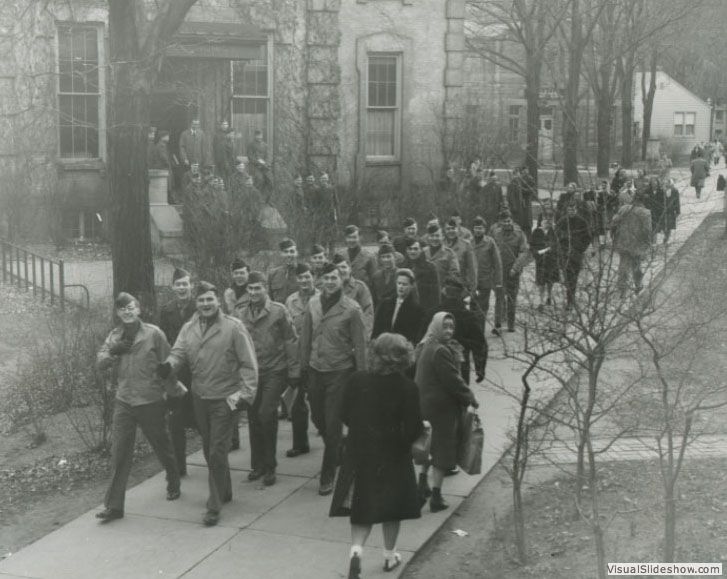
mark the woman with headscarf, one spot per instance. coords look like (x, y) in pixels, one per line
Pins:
(382, 412)
(444, 395)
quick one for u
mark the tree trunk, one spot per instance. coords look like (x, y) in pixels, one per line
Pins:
(128, 124)
(670, 523)
(570, 110)
(603, 132)
(648, 100)
(532, 92)
(627, 111)
(519, 522)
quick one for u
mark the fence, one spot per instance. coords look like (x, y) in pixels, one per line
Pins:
(45, 276)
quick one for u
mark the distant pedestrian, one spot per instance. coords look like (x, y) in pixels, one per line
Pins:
(363, 264)
(318, 259)
(136, 348)
(383, 284)
(194, 147)
(487, 198)
(489, 267)
(574, 235)
(544, 247)
(442, 256)
(401, 313)
(632, 243)
(218, 350)
(700, 171)
(426, 274)
(357, 291)
(333, 346)
(671, 209)
(410, 234)
(381, 409)
(464, 252)
(282, 279)
(236, 296)
(444, 395)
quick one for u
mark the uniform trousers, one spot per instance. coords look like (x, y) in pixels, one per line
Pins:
(215, 421)
(299, 418)
(180, 418)
(151, 419)
(326, 401)
(263, 420)
(506, 300)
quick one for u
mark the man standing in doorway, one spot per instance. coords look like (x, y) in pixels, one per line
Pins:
(194, 148)
(333, 346)
(218, 350)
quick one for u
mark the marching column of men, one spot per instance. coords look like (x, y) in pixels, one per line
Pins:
(303, 327)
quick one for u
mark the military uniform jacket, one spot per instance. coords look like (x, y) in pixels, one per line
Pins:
(222, 358)
(446, 262)
(282, 282)
(276, 342)
(363, 267)
(466, 258)
(359, 292)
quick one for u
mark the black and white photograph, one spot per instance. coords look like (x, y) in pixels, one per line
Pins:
(346, 289)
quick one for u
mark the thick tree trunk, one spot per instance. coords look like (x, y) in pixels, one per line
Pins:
(670, 523)
(603, 133)
(570, 110)
(647, 97)
(627, 111)
(532, 92)
(131, 251)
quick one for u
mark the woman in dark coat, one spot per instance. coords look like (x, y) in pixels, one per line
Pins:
(544, 247)
(655, 203)
(425, 273)
(410, 318)
(444, 395)
(382, 411)
(671, 210)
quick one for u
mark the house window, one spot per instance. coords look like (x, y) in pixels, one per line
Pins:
(513, 123)
(251, 99)
(719, 116)
(80, 80)
(684, 124)
(82, 224)
(383, 107)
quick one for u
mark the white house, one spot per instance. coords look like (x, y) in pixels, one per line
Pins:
(680, 119)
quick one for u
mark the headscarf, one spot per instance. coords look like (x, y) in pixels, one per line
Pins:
(435, 333)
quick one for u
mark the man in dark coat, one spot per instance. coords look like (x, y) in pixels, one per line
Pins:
(426, 274)
(468, 331)
(489, 266)
(383, 284)
(672, 209)
(487, 200)
(193, 147)
(574, 236)
(410, 234)
(172, 316)
(222, 151)
(519, 199)
(401, 313)
(363, 264)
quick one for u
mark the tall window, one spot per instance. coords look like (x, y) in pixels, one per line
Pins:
(383, 107)
(513, 123)
(251, 98)
(684, 124)
(79, 91)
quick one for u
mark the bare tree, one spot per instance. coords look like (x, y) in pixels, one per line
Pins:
(514, 34)
(138, 34)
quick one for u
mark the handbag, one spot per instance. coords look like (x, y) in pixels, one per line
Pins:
(421, 446)
(471, 443)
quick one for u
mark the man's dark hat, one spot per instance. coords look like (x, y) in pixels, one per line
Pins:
(338, 258)
(204, 286)
(433, 228)
(504, 214)
(302, 268)
(328, 268)
(257, 277)
(409, 221)
(479, 221)
(452, 223)
(286, 243)
(316, 249)
(386, 249)
(179, 273)
(238, 263)
(350, 229)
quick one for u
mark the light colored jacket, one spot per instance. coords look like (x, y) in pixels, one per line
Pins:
(633, 230)
(363, 267)
(466, 258)
(222, 360)
(513, 246)
(282, 282)
(489, 263)
(446, 262)
(137, 379)
(359, 292)
(296, 306)
(276, 342)
(335, 340)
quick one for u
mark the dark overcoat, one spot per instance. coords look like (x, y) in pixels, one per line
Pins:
(546, 265)
(410, 321)
(427, 281)
(444, 395)
(383, 416)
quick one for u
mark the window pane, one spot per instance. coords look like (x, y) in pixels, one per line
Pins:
(382, 89)
(690, 129)
(690, 118)
(678, 118)
(64, 44)
(678, 129)
(66, 138)
(248, 115)
(65, 82)
(515, 110)
(250, 77)
(380, 131)
(65, 107)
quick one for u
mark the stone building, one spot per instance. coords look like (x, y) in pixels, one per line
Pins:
(361, 89)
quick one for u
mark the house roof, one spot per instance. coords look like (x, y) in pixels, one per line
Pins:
(677, 83)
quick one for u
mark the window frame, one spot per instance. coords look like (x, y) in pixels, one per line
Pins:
(513, 122)
(685, 128)
(396, 157)
(267, 98)
(100, 95)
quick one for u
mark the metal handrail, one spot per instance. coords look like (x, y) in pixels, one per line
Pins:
(32, 274)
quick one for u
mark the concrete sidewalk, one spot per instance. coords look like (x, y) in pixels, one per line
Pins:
(282, 531)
